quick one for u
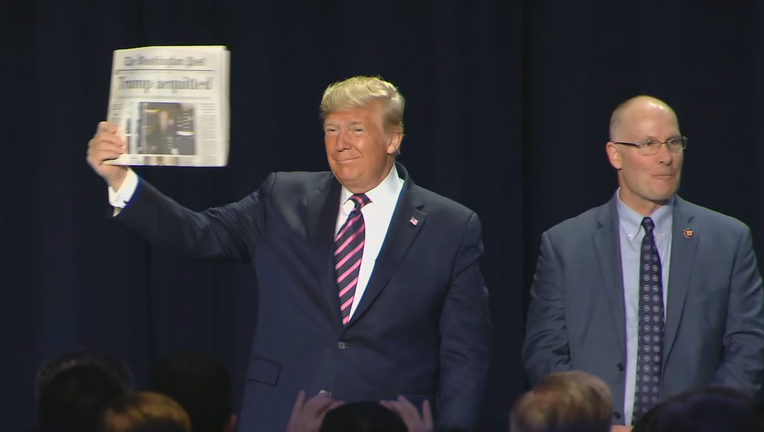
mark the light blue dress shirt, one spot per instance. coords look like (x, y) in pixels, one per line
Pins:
(631, 234)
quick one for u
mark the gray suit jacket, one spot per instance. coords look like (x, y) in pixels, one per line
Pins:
(714, 316)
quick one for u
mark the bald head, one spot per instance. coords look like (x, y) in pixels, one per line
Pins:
(634, 108)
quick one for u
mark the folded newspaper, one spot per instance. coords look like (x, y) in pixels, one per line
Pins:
(171, 104)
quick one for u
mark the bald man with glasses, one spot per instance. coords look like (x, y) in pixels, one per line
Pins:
(651, 293)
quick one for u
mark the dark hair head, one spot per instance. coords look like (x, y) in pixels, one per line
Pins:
(711, 410)
(111, 364)
(201, 385)
(73, 398)
(362, 417)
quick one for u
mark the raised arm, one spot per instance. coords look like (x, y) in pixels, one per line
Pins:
(228, 232)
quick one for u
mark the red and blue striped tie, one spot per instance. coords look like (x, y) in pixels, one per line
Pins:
(348, 250)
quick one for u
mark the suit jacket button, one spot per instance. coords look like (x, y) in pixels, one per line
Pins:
(342, 345)
(620, 367)
(616, 415)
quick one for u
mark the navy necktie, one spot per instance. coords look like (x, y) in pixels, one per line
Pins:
(651, 326)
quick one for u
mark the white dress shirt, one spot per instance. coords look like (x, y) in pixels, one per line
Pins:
(377, 216)
(119, 199)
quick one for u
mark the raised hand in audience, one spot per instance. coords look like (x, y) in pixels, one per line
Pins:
(308, 416)
(410, 415)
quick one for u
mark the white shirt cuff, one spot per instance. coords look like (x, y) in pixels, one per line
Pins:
(119, 199)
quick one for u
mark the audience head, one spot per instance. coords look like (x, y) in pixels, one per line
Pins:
(564, 402)
(144, 412)
(201, 385)
(113, 365)
(72, 389)
(706, 410)
(362, 417)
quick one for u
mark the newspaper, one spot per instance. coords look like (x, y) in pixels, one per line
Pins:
(171, 104)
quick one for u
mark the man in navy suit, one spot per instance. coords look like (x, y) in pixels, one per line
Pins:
(651, 293)
(369, 285)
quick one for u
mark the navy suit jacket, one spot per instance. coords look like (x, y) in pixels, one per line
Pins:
(421, 329)
(714, 316)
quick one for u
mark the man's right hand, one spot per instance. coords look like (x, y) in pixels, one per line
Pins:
(107, 144)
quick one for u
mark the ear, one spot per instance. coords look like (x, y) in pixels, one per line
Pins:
(394, 142)
(614, 154)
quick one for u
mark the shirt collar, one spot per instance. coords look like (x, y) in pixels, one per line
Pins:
(631, 221)
(385, 193)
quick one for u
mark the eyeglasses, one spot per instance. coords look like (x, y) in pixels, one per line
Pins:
(652, 146)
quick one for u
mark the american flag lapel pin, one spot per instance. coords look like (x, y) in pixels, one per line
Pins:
(414, 221)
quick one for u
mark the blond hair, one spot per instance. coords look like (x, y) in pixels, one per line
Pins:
(568, 401)
(360, 91)
(135, 411)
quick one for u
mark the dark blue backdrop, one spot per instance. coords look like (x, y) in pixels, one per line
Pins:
(508, 106)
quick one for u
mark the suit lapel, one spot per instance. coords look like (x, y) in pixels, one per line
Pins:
(406, 223)
(322, 209)
(608, 250)
(683, 248)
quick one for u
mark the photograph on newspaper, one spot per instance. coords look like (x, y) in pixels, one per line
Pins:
(163, 128)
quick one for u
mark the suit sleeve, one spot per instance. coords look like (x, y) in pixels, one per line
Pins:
(743, 360)
(465, 328)
(546, 349)
(229, 232)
